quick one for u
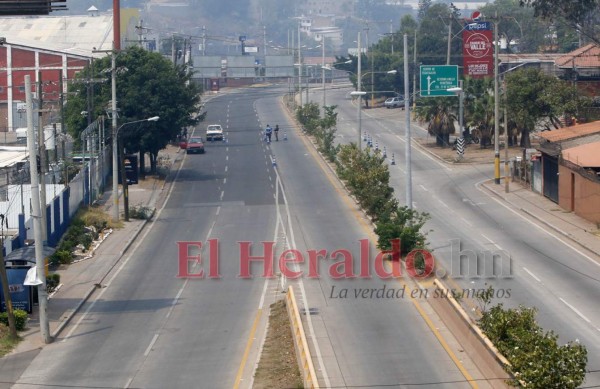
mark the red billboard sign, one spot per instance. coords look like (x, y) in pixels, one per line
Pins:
(478, 50)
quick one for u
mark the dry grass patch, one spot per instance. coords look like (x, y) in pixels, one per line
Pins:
(97, 217)
(278, 366)
(6, 342)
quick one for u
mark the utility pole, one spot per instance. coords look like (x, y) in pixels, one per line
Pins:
(36, 215)
(323, 70)
(392, 35)
(115, 145)
(173, 52)
(408, 135)
(449, 41)
(265, 41)
(358, 89)
(116, 25)
(62, 113)
(42, 148)
(299, 66)
(414, 91)
(203, 40)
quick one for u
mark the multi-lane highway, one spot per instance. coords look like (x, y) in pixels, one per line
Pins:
(537, 266)
(148, 328)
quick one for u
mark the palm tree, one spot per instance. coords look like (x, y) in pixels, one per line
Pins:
(479, 108)
(439, 113)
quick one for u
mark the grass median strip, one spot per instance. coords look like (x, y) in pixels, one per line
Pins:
(278, 366)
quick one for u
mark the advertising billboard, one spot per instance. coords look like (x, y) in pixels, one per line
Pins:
(478, 49)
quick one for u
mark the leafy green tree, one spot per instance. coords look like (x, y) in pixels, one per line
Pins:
(582, 16)
(401, 223)
(367, 176)
(538, 99)
(520, 25)
(440, 115)
(536, 359)
(433, 35)
(147, 85)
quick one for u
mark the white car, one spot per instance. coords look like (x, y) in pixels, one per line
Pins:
(214, 131)
(394, 102)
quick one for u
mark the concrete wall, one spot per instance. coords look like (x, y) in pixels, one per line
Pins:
(579, 194)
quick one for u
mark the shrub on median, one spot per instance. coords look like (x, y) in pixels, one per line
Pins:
(536, 359)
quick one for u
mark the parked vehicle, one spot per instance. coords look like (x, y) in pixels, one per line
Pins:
(194, 145)
(214, 132)
(394, 102)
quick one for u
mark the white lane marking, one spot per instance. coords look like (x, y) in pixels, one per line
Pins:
(151, 345)
(422, 187)
(478, 186)
(488, 239)
(222, 194)
(443, 203)
(532, 275)
(226, 168)
(224, 180)
(270, 179)
(227, 157)
(581, 315)
(311, 328)
(467, 222)
(218, 210)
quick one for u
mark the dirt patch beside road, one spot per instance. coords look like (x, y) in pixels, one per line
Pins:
(278, 366)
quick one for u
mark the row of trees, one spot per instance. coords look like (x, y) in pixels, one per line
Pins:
(147, 85)
(536, 358)
(366, 175)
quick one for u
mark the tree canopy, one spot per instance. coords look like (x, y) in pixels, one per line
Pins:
(147, 85)
(581, 15)
(536, 99)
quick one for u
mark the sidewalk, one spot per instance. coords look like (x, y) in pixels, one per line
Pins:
(80, 280)
(568, 224)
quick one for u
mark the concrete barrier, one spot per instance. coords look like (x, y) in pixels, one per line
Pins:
(307, 368)
(480, 349)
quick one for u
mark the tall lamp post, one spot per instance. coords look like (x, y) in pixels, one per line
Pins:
(116, 166)
(496, 110)
(461, 97)
(360, 94)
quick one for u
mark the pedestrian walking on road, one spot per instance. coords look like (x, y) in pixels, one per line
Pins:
(268, 132)
(277, 132)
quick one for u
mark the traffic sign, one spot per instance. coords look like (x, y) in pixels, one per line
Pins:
(437, 79)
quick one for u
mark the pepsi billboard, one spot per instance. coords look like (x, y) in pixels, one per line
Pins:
(478, 49)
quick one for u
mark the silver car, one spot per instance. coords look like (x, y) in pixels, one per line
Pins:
(394, 102)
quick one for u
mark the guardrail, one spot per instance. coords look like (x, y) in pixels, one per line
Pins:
(301, 345)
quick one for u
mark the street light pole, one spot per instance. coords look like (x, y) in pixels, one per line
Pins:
(358, 89)
(122, 164)
(323, 70)
(407, 152)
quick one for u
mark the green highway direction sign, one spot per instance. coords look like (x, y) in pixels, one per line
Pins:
(436, 79)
